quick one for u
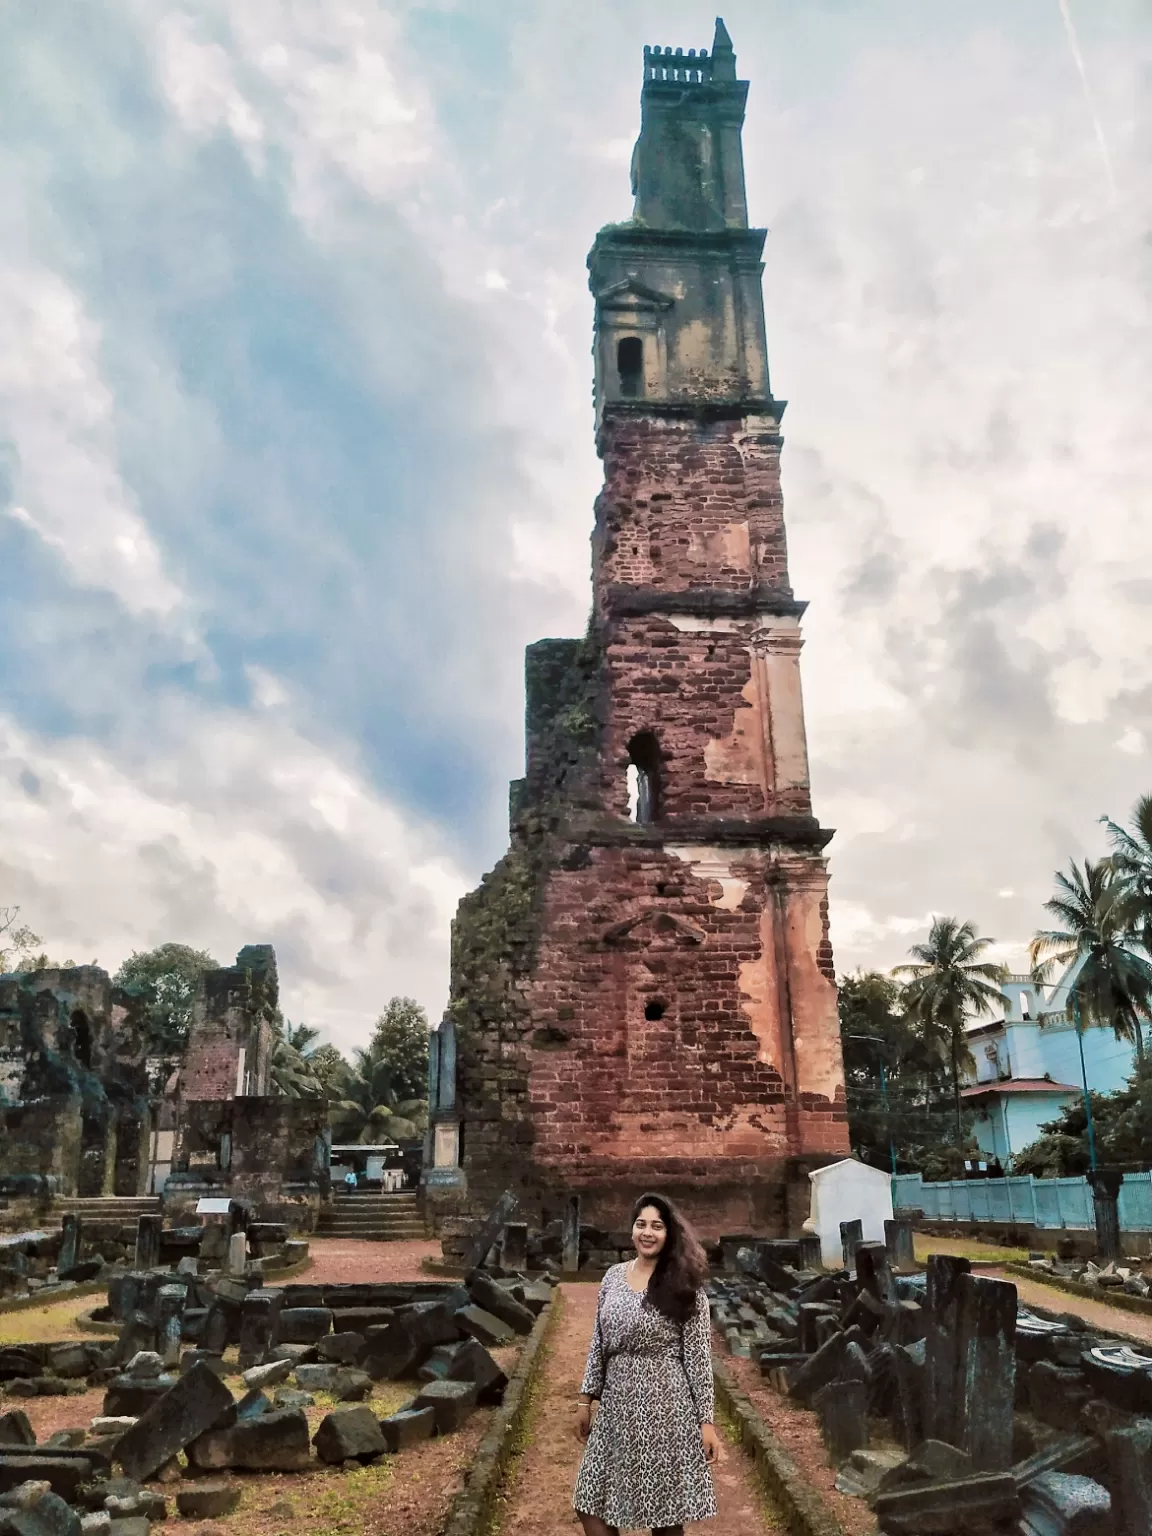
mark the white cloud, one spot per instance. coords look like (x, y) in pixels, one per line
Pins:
(231, 829)
(58, 415)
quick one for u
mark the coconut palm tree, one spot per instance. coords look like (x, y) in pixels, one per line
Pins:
(1131, 860)
(1094, 906)
(948, 980)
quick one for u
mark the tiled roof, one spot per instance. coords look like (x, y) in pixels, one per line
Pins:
(1018, 1085)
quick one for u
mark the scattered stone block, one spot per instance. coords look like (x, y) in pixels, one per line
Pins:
(1056, 1394)
(933, 1461)
(207, 1500)
(841, 1408)
(253, 1404)
(64, 1474)
(291, 1397)
(270, 1375)
(196, 1404)
(1120, 1375)
(70, 1360)
(97, 1523)
(302, 1325)
(407, 1427)
(1061, 1504)
(360, 1319)
(1130, 1471)
(501, 1303)
(214, 1362)
(349, 1434)
(874, 1272)
(45, 1515)
(274, 1442)
(452, 1402)
(341, 1381)
(408, 1338)
(937, 1509)
(142, 1501)
(133, 1525)
(864, 1471)
(128, 1396)
(484, 1327)
(105, 1427)
(341, 1348)
(70, 1439)
(16, 1428)
(259, 1322)
(146, 1365)
(535, 1295)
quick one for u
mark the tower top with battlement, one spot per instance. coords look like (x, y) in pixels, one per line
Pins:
(688, 168)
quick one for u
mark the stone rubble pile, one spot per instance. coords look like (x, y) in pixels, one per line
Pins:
(164, 1400)
(989, 1417)
(1133, 1278)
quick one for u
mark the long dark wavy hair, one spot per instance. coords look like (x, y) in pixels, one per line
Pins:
(681, 1270)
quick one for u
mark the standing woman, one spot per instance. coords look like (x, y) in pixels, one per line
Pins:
(652, 1439)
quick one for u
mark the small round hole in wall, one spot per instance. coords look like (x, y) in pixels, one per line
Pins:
(656, 1009)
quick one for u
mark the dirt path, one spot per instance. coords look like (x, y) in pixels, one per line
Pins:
(540, 1501)
(342, 1261)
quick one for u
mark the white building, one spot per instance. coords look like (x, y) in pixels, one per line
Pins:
(1027, 1065)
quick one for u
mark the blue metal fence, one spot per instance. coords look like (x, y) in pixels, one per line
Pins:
(1029, 1201)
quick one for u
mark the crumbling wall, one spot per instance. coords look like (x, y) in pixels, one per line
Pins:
(73, 1080)
(230, 1042)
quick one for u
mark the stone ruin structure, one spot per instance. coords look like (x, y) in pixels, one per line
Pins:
(77, 1118)
(75, 1115)
(233, 1137)
(642, 989)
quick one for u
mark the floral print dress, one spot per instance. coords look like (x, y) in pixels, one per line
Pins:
(644, 1464)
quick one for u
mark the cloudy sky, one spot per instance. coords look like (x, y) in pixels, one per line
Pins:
(296, 452)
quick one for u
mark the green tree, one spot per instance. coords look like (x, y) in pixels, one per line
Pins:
(167, 977)
(385, 1093)
(949, 980)
(895, 1082)
(1122, 1123)
(330, 1070)
(18, 944)
(1113, 985)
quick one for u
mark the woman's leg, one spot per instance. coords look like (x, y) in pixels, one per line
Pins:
(594, 1526)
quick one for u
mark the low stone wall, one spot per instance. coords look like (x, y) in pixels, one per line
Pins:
(1078, 1242)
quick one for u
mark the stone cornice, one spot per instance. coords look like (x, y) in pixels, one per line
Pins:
(623, 601)
(729, 831)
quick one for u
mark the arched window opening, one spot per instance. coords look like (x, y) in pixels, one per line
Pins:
(643, 777)
(82, 1039)
(656, 1009)
(630, 366)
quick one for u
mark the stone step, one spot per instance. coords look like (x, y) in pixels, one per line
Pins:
(375, 1231)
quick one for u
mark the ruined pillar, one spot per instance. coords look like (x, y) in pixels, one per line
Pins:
(1105, 1183)
(237, 1254)
(170, 1301)
(514, 1247)
(70, 1244)
(258, 1315)
(899, 1238)
(942, 1403)
(570, 1238)
(986, 1364)
(148, 1230)
(851, 1236)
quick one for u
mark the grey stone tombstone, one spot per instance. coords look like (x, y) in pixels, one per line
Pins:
(851, 1235)
(1105, 1183)
(237, 1253)
(1130, 1470)
(70, 1239)
(842, 1409)
(487, 1237)
(808, 1252)
(873, 1273)
(941, 1400)
(514, 1247)
(570, 1240)
(986, 1363)
(148, 1229)
(899, 1239)
(258, 1314)
(446, 1058)
(170, 1301)
(1061, 1504)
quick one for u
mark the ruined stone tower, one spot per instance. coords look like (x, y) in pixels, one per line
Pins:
(643, 987)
